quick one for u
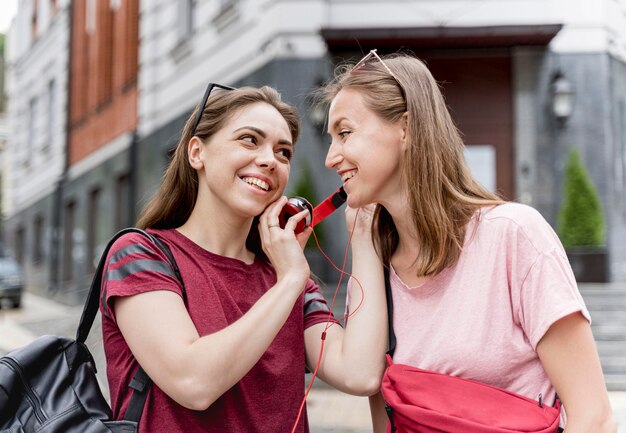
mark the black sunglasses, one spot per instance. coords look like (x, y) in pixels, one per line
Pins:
(208, 91)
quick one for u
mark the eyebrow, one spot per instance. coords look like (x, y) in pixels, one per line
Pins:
(335, 124)
(262, 134)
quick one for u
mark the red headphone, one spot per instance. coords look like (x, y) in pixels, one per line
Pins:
(296, 205)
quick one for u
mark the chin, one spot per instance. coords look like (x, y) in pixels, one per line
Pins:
(355, 202)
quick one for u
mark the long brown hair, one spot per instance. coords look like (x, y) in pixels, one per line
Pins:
(443, 194)
(171, 206)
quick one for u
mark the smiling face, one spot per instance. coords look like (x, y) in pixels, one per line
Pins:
(365, 150)
(245, 165)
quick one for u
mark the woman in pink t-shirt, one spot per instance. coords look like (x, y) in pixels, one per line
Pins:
(481, 288)
(226, 344)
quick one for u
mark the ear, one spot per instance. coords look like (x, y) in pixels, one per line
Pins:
(195, 153)
(403, 123)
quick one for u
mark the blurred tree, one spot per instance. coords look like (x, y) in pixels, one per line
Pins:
(305, 188)
(581, 218)
(3, 101)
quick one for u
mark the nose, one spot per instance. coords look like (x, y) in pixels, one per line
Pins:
(266, 157)
(334, 156)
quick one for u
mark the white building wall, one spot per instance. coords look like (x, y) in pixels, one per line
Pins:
(35, 153)
(227, 44)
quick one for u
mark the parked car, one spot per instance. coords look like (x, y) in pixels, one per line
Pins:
(11, 281)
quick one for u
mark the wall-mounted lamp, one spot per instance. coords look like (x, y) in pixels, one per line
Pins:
(317, 116)
(562, 98)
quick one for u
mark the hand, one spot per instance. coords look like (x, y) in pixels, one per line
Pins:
(283, 247)
(359, 221)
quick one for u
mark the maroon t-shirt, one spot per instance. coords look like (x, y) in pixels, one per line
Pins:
(219, 291)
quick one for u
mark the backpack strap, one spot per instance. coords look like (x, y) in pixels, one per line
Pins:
(141, 382)
(392, 335)
(93, 298)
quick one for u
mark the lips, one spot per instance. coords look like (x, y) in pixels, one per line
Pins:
(255, 181)
(347, 175)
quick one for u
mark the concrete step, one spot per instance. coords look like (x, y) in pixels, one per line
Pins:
(609, 331)
(614, 364)
(615, 382)
(609, 299)
(600, 312)
(611, 348)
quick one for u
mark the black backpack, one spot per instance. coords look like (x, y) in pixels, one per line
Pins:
(50, 385)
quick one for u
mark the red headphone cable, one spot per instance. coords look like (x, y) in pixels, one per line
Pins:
(329, 323)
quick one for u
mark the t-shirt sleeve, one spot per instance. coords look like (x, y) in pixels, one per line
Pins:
(135, 265)
(546, 289)
(316, 309)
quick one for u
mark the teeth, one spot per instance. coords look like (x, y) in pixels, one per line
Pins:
(257, 182)
(348, 175)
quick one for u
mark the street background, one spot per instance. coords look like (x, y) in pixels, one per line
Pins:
(330, 411)
(94, 93)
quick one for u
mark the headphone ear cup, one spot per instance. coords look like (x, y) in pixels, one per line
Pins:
(294, 206)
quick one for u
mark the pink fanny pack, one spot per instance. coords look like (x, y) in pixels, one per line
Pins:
(422, 401)
(429, 402)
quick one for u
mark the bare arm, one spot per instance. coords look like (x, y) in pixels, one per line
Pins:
(569, 356)
(353, 359)
(195, 371)
(379, 415)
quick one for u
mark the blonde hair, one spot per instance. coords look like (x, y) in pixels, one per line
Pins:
(171, 206)
(443, 194)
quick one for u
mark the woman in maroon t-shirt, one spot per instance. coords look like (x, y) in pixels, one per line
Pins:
(232, 357)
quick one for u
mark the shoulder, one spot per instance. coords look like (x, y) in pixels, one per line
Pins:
(519, 222)
(514, 213)
(145, 241)
(135, 252)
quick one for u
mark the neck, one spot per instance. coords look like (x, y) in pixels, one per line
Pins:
(409, 242)
(221, 234)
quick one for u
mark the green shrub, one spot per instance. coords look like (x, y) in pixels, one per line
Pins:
(581, 219)
(306, 189)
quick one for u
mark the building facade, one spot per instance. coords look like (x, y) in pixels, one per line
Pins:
(34, 156)
(498, 63)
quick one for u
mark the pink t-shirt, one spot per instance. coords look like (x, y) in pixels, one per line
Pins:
(482, 318)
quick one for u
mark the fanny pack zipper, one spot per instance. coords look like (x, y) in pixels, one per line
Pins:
(30, 394)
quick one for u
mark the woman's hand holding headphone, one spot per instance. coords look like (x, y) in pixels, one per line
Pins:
(282, 246)
(359, 222)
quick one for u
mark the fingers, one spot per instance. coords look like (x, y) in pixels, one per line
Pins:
(303, 236)
(294, 220)
(270, 219)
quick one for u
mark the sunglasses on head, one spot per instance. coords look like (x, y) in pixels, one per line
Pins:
(205, 98)
(373, 55)
(370, 55)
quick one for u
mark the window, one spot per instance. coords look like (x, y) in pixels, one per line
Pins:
(185, 21)
(52, 115)
(106, 16)
(19, 245)
(68, 241)
(92, 227)
(227, 14)
(32, 130)
(621, 154)
(34, 18)
(38, 239)
(122, 202)
(227, 3)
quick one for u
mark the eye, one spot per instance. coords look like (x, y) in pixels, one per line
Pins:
(344, 133)
(286, 153)
(249, 139)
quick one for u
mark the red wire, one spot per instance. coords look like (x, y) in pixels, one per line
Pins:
(330, 323)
